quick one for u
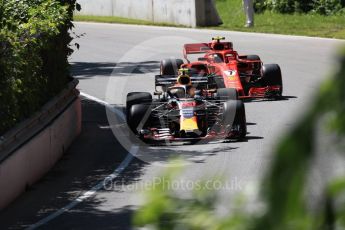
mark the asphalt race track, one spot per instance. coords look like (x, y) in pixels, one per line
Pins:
(116, 59)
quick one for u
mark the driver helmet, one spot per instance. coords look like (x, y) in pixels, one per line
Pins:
(183, 77)
(185, 81)
(216, 44)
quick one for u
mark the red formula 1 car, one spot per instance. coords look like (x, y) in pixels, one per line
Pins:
(187, 108)
(245, 73)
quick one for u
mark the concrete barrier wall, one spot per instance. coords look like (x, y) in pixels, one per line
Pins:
(28, 163)
(141, 9)
(180, 12)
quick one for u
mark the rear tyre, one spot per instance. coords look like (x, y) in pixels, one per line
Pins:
(170, 66)
(137, 98)
(138, 117)
(226, 94)
(272, 76)
(234, 119)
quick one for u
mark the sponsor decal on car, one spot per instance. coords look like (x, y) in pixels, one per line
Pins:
(230, 73)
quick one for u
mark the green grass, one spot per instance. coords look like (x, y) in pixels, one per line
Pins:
(232, 14)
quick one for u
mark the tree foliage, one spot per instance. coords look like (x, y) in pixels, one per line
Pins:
(34, 47)
(285, 201)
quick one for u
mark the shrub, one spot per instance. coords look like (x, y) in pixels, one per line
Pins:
(324, 7)
(34, 47)
(327, 7)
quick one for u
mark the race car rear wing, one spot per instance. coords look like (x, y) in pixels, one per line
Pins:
(198, 48)
(199, 82)
(170, 80)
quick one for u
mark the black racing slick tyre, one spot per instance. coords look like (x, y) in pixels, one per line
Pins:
(137, 98)
(226, 94)
(138, 117)
(170, 66)
(272, 75)
(240, 119)
(253, 57)
(234, 117)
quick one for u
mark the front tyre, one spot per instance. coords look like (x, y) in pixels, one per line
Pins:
(253, 57)
(134, 98)
(138, 117)
(226, 94)
(234, 119)
(272, 76)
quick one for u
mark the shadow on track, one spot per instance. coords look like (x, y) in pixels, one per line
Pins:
(85, 70)
(282, 98)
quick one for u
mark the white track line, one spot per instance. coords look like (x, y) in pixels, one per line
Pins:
(124, 164)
